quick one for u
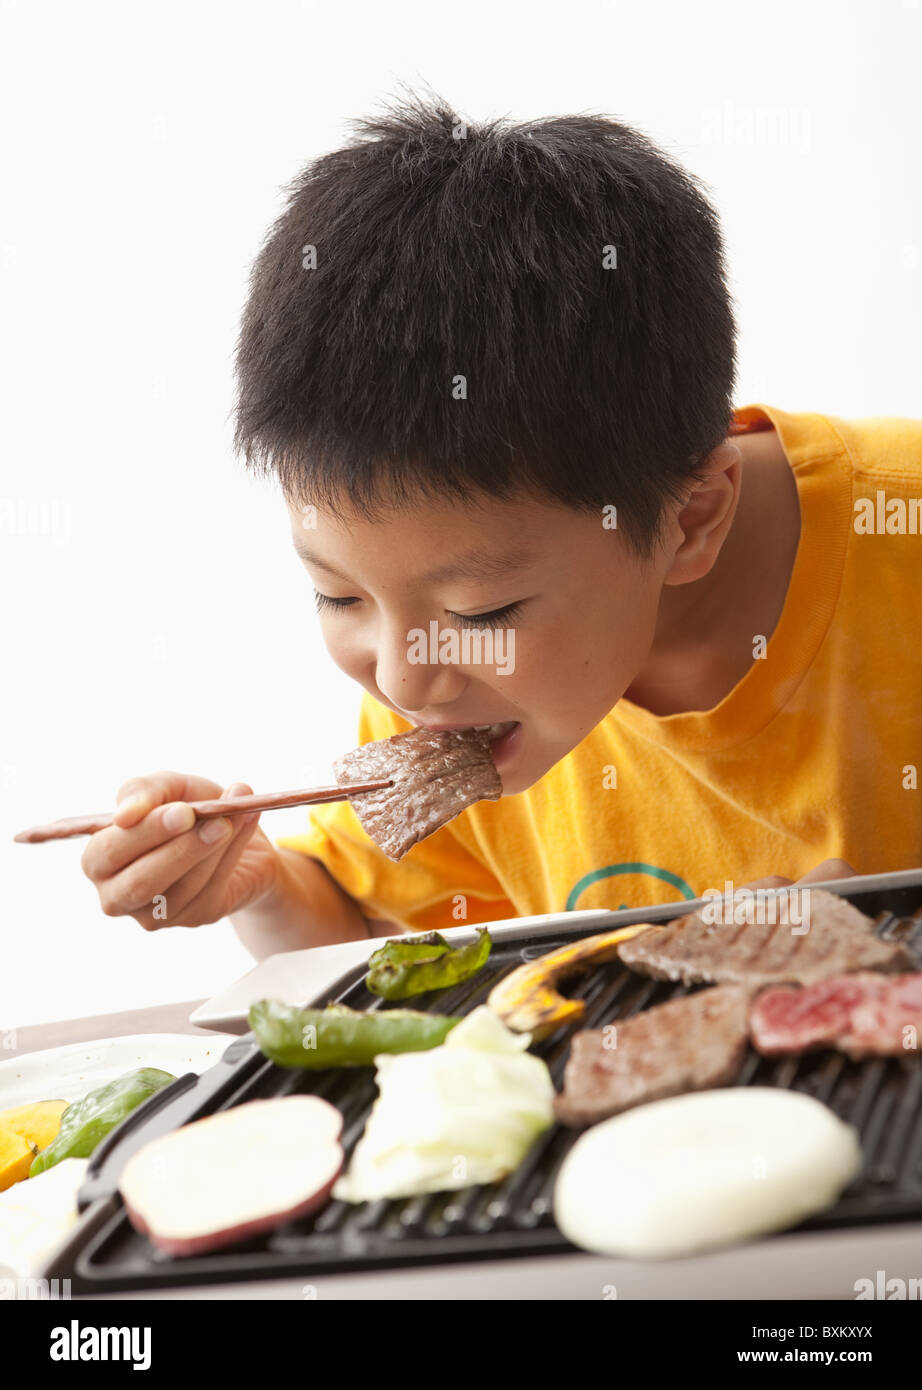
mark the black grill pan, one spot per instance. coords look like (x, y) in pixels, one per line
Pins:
(882, 1098)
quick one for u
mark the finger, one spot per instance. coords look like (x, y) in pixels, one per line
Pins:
(829, 869)
(110, 851)
(207, 901)
(153, 874)
(139, 795)
(189, 902)
(114, 848)
(210, 874)
(136, 797)
(772, 881)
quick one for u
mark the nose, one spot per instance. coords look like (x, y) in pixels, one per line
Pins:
(413, 686)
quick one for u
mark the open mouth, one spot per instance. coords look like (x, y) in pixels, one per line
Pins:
(498, 730)
(504, 741)
(504, 736)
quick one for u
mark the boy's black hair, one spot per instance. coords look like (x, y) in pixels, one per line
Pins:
(448, 250)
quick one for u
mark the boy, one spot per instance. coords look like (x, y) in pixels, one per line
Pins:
(491, 367)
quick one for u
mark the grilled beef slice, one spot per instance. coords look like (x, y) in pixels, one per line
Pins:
(436, 776)
(863, 1015)
(688, 1044)
(838, 940)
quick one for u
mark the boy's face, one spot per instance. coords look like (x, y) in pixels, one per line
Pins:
(570, 611)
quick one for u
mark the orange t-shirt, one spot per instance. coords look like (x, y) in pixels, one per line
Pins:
(814, 754)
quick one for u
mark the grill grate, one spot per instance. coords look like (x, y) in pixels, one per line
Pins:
(881, 1097)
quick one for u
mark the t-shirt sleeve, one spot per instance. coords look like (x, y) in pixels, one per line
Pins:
(439, 883)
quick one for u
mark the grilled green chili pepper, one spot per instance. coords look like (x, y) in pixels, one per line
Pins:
(341, 1037)
(85, 1123)
(399, 969)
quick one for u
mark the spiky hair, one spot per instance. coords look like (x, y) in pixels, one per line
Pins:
(492, 306)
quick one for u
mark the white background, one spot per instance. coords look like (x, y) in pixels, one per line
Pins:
(154, 612)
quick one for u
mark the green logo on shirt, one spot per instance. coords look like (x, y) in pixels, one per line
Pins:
(610, 870)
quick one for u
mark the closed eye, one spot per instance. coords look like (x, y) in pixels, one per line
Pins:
(324, 602)
(495, 618)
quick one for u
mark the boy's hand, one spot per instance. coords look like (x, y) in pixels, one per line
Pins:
(829, 869)
(159, 865)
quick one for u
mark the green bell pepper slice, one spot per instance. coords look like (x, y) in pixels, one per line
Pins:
(85, 1123)
(400, 969)
(341, 1037)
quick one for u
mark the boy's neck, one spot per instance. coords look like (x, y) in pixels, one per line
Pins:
(704, 633)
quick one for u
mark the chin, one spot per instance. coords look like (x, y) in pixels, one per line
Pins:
(520, 779)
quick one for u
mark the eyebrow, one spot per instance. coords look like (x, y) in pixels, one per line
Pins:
(483, 563)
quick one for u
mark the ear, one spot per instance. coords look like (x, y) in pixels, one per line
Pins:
(705, 518)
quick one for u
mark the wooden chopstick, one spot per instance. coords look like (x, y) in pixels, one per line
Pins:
(231, 806)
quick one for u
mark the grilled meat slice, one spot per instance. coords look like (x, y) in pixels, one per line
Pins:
(830, 937)
(863, 1015)
(688, 1044)
(436, 776)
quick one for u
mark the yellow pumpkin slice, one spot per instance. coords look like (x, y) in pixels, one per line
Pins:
(25, 1131)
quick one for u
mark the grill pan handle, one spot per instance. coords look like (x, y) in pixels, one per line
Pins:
(187, 1098)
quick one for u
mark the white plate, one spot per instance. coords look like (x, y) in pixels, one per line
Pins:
(67, 1073)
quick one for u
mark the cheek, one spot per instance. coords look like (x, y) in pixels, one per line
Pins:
(587, 660)
(619, 644)
(348, 653)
